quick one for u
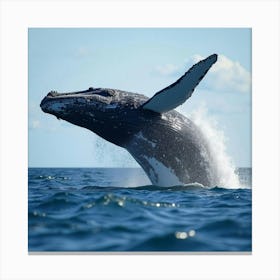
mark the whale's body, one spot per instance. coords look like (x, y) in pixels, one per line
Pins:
(170, 148)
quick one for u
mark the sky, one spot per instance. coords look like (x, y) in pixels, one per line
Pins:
(141, 60)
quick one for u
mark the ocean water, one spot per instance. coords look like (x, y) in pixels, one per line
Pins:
(117, 210)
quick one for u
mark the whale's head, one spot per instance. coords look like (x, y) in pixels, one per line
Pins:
(112, 114)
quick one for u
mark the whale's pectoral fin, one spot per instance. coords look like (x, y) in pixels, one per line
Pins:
(177, 93)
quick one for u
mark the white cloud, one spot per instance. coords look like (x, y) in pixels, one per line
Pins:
(35, 124)
(225, 75)
(228, 75)
(37, 119)
(83, 52)
(167, 69)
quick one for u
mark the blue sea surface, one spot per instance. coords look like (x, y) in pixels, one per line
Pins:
(116, 209)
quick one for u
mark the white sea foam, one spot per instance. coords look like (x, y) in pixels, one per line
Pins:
(217, 143)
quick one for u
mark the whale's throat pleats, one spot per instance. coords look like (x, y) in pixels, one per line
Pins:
(172, 154)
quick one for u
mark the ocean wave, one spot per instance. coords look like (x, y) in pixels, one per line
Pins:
(92, 215)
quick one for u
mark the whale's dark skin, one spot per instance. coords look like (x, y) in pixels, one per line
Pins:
(169, 147)
(118, 117)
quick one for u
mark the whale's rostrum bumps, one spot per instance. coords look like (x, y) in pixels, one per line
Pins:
(170, 148)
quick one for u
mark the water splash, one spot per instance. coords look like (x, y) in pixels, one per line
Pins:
(118, 157)
(223, 164)
(106, 154)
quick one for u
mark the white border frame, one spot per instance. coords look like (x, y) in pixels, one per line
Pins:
(17, 16)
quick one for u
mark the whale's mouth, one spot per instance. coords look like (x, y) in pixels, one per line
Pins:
(56, 94)
(89, 92)
(55, 101)
(59, 98)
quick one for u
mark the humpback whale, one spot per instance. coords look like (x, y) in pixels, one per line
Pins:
(169, 147)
